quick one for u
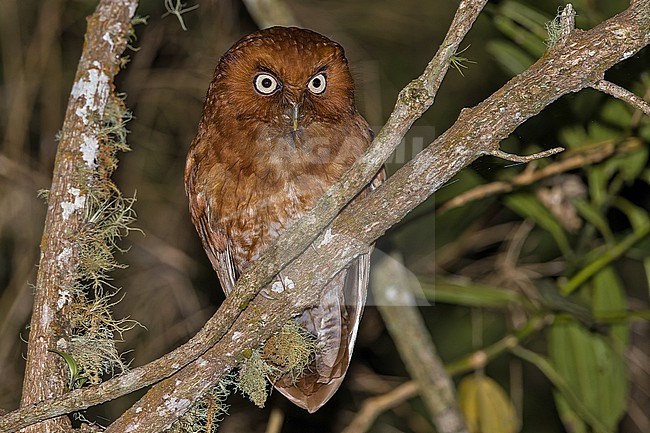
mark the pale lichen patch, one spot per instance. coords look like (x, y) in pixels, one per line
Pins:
(327, 238)
(65, 297)
(46, 317)
(94, 89)
(107, 38)
(89, 148)
(77, 202)
(64, 254)
(132, 427)
(279, 286)
(173, 405)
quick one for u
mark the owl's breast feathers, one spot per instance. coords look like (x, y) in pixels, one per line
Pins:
(255, 185)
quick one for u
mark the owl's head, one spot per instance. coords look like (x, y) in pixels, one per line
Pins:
(283, 77)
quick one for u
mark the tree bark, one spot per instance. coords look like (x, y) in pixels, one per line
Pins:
(45, 373)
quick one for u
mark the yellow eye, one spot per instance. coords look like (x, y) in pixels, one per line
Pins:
(266, 84)
(317, 84)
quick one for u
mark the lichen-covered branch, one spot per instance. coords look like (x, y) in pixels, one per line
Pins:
(245, 320)
(78, 159)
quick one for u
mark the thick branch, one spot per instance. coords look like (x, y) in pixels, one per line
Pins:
(105, 41)
(578, 63)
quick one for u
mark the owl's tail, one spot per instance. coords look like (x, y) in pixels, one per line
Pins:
(334, 323)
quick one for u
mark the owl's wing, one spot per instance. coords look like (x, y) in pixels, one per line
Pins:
(335, 323)
(215, 243)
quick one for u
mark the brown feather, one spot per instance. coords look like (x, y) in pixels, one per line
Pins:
(251, 173)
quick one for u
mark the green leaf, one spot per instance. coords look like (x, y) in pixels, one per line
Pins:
(609, 300)
(526, 17)
(486, 406)
(569, 417)
(600, 132)
(633, 164)
(574, 137)
(511, 58)
(616, 112)
(645, 176)
(469, 293)
(528, 206)
(604, 258)
(593, 369)
(630, 165)
(73, 368)
(637, 215)
(594, 217)
(597, 179)
(577, 411)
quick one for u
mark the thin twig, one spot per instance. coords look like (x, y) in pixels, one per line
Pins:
(525, 158)
(582, 158)
(375, 406)
(623, 94)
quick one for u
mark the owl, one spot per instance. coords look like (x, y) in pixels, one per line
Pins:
(279, 127)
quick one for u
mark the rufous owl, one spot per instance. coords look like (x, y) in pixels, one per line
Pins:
(279, 127)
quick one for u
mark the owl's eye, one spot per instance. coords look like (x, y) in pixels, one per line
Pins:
(317, 84)
(266, 84)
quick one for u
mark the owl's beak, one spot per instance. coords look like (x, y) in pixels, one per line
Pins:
(295, 115)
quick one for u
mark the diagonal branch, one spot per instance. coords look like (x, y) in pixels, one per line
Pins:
(413, 101)
(396, 302)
